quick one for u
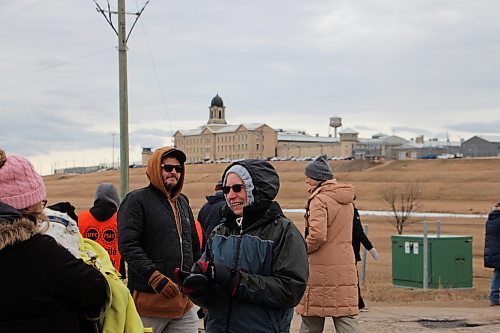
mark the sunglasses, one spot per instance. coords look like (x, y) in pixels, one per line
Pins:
(236, 188)
(170, 167)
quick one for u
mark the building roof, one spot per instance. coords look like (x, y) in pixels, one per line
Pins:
(378, 135)
(294, 136)
(227, 129)
(490, 138)
(393, 140)
(217, 101)
(348, 131)
(219, 128)
(429, 144)
(196, 131)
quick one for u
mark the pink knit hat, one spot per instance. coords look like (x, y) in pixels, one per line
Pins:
(20, 185)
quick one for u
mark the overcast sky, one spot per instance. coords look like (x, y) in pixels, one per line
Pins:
(407, 68)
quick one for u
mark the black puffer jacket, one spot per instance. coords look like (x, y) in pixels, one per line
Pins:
(148, 239)
(492, 240)
(147, 231)
(210, 214)
(271, 255)
(44, 287)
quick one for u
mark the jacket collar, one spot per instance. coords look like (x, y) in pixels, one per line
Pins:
(18, 231)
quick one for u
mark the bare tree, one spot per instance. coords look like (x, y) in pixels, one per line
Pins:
(403, 200)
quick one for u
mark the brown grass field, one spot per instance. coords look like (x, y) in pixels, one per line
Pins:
(450, 186)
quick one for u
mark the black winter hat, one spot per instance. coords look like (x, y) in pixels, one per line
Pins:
(319, 169)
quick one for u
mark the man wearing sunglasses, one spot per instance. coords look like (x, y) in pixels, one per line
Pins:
(156, 234)
(254, 269)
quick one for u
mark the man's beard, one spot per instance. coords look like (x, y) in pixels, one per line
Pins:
(170, 186)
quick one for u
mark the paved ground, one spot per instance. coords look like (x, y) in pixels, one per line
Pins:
(413, 319)
(424, 318)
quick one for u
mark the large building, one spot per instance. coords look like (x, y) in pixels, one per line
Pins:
(299, 144)
(218, 141)
(481, 146)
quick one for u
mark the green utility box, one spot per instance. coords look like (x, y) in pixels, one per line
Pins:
(449, 262)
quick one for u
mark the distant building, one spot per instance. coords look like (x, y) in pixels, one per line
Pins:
(300, 144)
(218, 141)
(81, 170)
(379, 146)
(481, 146)
(146, 154)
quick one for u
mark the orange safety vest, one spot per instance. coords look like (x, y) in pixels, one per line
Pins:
(104, 233)
(199, 231)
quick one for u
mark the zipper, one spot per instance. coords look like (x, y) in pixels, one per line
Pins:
(239, 221)
(180, 233)
(182, 253)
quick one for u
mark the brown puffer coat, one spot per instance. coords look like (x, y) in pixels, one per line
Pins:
(332, 287)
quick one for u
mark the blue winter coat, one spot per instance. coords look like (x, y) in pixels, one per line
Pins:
(270, 253)
(492, 240)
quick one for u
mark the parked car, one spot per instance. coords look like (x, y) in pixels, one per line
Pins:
(445, 156)
(428, 157)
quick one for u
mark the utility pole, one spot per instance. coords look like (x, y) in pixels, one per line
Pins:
(113, 152)
(123, 85)
(122, 74)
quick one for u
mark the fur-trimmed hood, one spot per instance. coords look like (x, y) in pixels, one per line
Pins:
(13, 227)
(18, 231)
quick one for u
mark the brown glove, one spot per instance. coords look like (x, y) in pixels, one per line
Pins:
(163, 285)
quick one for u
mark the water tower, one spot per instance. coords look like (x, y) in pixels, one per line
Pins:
(335, 122)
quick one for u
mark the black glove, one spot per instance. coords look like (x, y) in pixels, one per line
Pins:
(204, 273)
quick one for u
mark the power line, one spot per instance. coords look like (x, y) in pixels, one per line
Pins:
(157, 77)
(21, 11)
(56, 65)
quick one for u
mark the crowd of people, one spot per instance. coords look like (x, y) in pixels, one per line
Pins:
(241, 265)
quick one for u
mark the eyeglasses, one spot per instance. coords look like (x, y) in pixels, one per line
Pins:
(170, 167)
(236, 188)
(44, 203)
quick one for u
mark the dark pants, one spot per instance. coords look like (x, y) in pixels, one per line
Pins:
(361, 303)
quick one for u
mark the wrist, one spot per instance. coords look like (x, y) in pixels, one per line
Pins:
(157, 281)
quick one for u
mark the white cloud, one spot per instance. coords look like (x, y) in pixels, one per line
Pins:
(420, 65)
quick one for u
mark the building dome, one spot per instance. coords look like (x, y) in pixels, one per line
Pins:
(217, 101)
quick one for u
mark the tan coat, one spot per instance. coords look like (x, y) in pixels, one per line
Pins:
(332, 286)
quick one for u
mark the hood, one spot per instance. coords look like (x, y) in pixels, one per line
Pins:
(266, 184)
(18, 231)
(342, 193)
(265, 179)
(106, 192)
(13, 227)
(494, 214)
(153, 171)
(212, 199)
(8, 213)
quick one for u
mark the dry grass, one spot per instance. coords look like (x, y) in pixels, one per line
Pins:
(458, 186)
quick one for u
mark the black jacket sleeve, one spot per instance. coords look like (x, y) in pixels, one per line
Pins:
(358, 235)
(81, 285)
(203, 298)
(130, 222)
